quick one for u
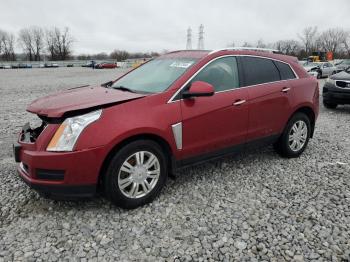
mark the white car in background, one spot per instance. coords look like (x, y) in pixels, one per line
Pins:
(311, 68)
(326, 69)
(320, 69)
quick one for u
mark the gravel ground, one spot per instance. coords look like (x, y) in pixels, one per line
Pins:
(252, 207)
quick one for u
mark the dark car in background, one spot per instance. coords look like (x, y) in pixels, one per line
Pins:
(51, 65)
(22, 65)
(336, 90)
(90, 64)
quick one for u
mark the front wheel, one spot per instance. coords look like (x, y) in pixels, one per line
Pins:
(319, 75)
(295, 136)
(136, 174)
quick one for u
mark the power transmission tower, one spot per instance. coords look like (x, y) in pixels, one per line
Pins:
(189, 39)
(201, 38)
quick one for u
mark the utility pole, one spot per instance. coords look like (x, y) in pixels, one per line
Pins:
(201, 38)
(189, 39)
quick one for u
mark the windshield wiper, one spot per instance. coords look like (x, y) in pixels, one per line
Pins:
(123, 88)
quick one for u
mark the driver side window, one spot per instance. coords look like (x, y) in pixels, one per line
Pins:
(221, 73)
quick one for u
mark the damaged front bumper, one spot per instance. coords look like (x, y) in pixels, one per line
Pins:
(60, 175)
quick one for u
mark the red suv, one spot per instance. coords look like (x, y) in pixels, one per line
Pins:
(126, 136)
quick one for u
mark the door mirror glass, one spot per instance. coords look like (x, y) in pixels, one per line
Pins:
(199, 88)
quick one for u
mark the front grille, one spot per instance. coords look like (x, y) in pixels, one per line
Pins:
(29, 134)
(342, 84)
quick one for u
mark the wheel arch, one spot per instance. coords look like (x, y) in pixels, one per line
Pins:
(307, 110)
(146, 136)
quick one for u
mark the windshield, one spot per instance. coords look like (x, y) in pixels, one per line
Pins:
(155, 76)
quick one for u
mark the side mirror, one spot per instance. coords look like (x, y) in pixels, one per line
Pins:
(199, 88)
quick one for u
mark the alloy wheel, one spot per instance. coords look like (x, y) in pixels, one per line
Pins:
(297, 136)
(139, 174)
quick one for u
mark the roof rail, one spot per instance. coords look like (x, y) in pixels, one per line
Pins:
(269, 50)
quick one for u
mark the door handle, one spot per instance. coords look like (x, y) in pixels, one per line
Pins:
(239, 102)
(285, 89)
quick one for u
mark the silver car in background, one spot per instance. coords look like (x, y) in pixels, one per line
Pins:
(320, 69)
(310, 67)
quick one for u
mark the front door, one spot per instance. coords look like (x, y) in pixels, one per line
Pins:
(211, 124)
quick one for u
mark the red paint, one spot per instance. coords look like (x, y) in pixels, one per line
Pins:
(209, 123)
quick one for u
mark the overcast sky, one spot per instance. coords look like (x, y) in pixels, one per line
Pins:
(155, 25)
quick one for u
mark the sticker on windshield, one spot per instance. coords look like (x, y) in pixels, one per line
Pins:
(181, 64)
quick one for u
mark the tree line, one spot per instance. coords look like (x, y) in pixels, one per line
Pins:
(53, 44)
(118, 55)
(35, 42)
(56, 44)
(310, 40)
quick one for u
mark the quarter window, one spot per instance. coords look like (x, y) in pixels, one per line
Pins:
(259, 71)
(285, 70)
(221, 73)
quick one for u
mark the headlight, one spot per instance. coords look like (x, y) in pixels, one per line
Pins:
(331, 81)
(67, 134)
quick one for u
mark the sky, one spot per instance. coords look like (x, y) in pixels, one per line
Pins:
(157, 25)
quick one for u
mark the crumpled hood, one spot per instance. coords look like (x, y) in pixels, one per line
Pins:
(343, 75)
(56, 105)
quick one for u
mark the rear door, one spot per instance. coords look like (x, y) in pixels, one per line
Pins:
(216, 122)
(269, 97)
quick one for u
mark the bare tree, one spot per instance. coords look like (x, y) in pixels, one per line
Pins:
(288, 47)
(59, 43)
(25, 40)
(50, 43)
(246, 44)
(346, 43)
(7, 41)
(260, 44)
(119, 55)
(2, 33)
(331, 39)
(38, 42)
(308, 37)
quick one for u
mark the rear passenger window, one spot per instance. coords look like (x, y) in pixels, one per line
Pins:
(285, 70)
(259, 70)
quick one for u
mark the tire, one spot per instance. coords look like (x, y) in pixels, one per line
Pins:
(132, 189)
(329, 105)
(319, 74)
(284, 146)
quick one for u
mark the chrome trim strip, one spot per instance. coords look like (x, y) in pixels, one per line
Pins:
(239, 102)
(177, 132)
(200, 69)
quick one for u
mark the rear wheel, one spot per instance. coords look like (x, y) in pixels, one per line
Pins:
(329, 105)
(295, 136)
(136, 174)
